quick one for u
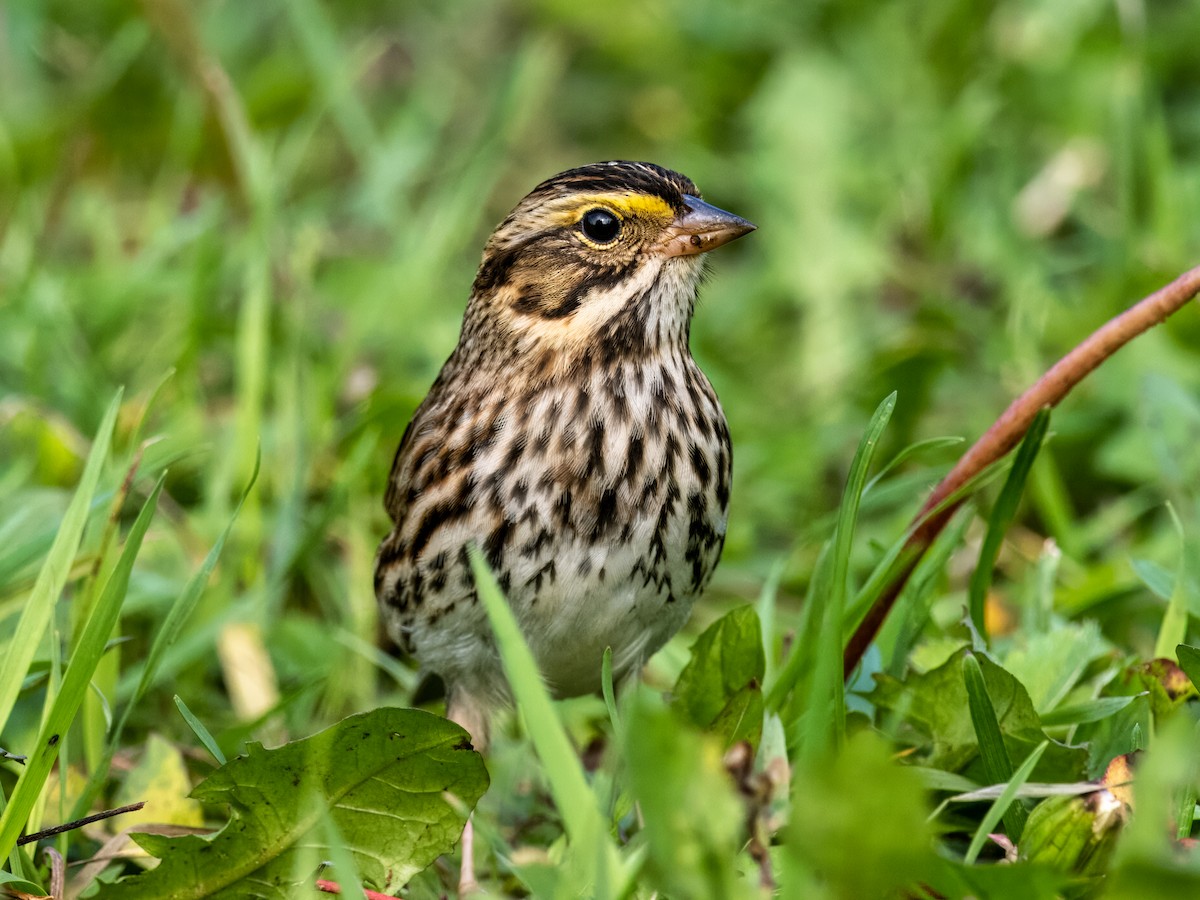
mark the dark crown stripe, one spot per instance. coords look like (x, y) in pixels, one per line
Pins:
(639, 177)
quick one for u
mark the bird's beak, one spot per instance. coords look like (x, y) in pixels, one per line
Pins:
(702, 228)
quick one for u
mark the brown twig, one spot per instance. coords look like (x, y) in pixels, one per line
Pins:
(332, 887)
(79, 823)
(1008, 430)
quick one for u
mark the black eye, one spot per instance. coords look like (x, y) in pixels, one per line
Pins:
(600, 225)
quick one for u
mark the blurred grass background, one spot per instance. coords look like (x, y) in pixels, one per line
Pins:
(283, 203)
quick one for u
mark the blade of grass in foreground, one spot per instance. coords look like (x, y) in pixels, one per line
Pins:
(584, 825)
(93, 641)
(198, 729)
(997, 765)
(1002, 517)
(1001, 805)
(798, 662)
(52, 578)
(169, 631)
(825, 711)
(1173, 630)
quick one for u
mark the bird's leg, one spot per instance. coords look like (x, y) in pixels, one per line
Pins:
(467, 884)
(470, 714)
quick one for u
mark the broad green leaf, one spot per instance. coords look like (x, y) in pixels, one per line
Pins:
(938, 722)
(1189, 661)
(380, 777)
(878, 842)
(1074, 834)
(721, 686)
(742, 717)
(1050, 664)
(693, 820)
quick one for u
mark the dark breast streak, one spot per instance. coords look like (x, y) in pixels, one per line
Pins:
(556, 484)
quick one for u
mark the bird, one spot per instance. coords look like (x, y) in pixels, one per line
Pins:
(572, 438)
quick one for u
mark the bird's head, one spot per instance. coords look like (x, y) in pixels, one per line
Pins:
(606, 257)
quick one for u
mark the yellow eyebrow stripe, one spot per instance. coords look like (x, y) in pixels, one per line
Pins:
(626, 204)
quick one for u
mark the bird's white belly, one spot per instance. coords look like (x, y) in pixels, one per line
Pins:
(594, 612)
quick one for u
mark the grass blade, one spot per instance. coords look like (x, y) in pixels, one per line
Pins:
(610, 697)
(1173, 630)
(175, 619)
(804, 645)
(911, 450)
(35, 617)
(997, 766)
(1087, 711)
(581, 815)
(1002, 517)
(825, 718)
(92, 644)
(1001, 805)
(198, 729)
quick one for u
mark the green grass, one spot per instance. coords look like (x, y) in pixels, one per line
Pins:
(261, 222)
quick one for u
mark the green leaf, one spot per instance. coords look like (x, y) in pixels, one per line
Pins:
(741, 719)
(721, 686)
(16, 883)
(1051, 663)
(379, 776)
(804, 645)
(934, 705)
(1189, 661)
(941, 780)
(693, 820)
(1074, 834)
(859, 820)
(1002, 517)
(911, 450)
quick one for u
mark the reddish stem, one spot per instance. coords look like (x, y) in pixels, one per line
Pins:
(332, 887)
(1008, 430)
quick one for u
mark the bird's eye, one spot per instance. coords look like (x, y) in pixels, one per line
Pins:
(600, 226)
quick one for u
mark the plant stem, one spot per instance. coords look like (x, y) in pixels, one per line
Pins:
(1007, 431)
